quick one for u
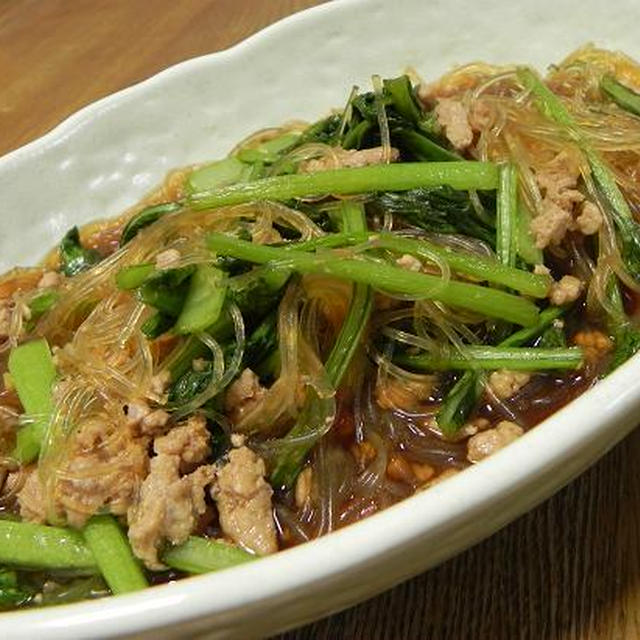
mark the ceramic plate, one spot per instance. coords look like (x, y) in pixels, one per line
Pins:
(107, 156)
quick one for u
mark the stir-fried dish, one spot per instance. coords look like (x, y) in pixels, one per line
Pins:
(332, 318)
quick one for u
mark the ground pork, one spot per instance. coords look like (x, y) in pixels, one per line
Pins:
(143, 420)
(594, 343)
(551, 224)
(103, 468)
(409, 262)
(486, 443)
(444, 475)
(452, 117)
(188, 441)
(567, 289)
(160, 383)
(49, 279)
(364, 453)
(243, 395)
(167, 508)
(5, 318)
(12, 317)
(30, 499)
(505, 383)
(304, 484)
(348, 159)
(168, 259)
(243, 497)
(590, 219)
(556, 212)
(482, 115)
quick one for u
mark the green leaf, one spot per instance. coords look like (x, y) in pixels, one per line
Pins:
(204, 300)
(146, 217)
(73, 257)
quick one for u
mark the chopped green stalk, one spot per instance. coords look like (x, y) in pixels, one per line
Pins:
(74, 258)
(423, 148)
(468, 264)
(204, 301)
(548, 102)
(475, 357)
(113, 555)
(33, 373)
(317, 410)
(134, 276)
(146, 217)
(401, 93)
(489, 302)
(201, 555)
(624, 97)
(545, 320)
(465, 393)
(34, 546)
(553, 337)
(526, 245)
(628, 229)
(506, 246)
(219, 174)
(391, 177)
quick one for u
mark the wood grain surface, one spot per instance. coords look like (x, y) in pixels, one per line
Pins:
(569, 570)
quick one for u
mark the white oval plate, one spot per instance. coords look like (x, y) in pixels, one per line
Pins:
(104, 158)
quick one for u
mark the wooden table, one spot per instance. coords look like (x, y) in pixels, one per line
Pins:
(570, 569)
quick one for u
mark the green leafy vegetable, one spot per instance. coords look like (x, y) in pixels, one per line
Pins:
(490, 302)
(391, 177)
(33, 374)
(262, 341)
(74, 258)
(463, 397)
(134, 276)
(507, 211)
(475, 357)
(34, 546)
(146, 217)
(436, 209)
(317, 411)
(221, 173)
(157, 324)
(190, 384)
(113, 555)
(11, 593)
(200, 555)
(167, 290)
(624, 97)
(525, 243)
(204, 301)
